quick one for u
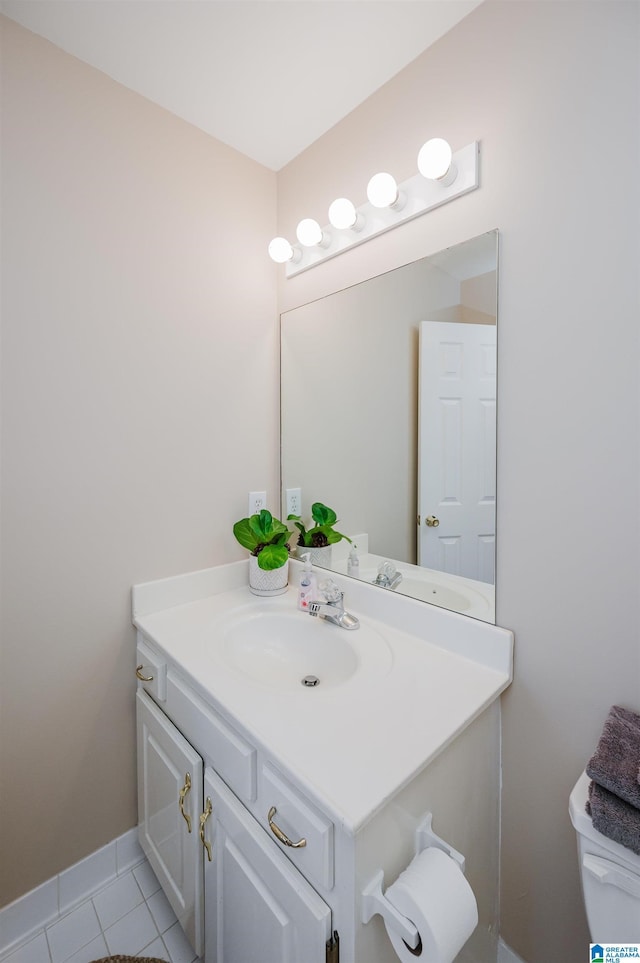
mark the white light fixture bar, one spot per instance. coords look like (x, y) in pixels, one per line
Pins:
(422, 195)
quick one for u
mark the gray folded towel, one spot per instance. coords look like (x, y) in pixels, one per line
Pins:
(614, 818)
(615, 765)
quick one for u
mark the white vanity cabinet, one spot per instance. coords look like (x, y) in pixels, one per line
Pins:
(238, 897)
(300, 798)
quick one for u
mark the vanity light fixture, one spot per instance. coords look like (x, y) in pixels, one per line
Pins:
(442, 176)
(435, 161)
(310, 234)
(382, 191)
(281, 251)
(343, 215)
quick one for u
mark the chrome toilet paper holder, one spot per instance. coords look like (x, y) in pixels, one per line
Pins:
(374, 901)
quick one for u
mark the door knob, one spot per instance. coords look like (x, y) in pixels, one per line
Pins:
(432, 521)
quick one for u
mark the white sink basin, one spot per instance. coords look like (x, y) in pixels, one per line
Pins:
(282, 649)
(437, 593)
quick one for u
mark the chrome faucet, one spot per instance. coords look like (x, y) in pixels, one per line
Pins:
(388, 576)
(331, 606)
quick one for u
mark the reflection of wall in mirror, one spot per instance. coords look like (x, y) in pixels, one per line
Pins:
(477, 302)
(350, 391)
(478, 299)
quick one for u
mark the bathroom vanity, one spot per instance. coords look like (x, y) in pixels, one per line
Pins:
(266, 805)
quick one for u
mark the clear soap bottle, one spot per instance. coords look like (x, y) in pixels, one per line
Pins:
(307, 591)
(353, 563)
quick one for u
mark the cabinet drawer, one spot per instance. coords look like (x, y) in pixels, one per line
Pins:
(231, 755)
(297, 819)
(151, 671)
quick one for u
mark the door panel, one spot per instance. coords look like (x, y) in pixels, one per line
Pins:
(259, 908)
(174, 853)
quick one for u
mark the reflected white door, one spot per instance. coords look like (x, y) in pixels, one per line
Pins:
(457, 449)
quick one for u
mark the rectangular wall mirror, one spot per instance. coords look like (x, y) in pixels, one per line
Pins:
(388, 394)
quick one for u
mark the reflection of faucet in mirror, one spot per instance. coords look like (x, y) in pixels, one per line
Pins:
(427, 332)
(388, 576)
(331, 606)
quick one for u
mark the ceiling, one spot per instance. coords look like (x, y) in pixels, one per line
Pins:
(267, 77)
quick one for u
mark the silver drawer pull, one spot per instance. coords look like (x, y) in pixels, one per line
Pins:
(277, 832)
(143, 678)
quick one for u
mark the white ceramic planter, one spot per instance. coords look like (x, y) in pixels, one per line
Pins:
(263, 582)
(319, 556)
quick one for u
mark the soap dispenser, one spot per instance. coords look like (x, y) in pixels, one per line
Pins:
(307, 591)
(353, 563)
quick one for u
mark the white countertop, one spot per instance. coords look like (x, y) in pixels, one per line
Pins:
(354, 745)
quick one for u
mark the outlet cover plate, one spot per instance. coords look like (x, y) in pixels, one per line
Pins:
(257, 501)
(293, 501)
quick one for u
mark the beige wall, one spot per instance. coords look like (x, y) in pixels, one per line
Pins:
(479, 295)
(133, 354)
(130, 335)
(355, 384)
(541, 85)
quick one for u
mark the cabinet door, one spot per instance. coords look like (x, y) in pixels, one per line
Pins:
(169, 806)
(259, 908)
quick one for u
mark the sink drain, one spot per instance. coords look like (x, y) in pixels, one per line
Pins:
(310, 681)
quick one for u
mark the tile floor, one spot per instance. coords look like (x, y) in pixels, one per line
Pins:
(130, 916)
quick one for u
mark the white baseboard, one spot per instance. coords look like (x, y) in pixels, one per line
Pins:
(506, 954)
(59, 895)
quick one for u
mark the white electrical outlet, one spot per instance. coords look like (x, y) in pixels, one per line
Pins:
(293, 501)
(257, 501)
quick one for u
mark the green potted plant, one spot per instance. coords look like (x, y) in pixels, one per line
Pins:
(318, 539)
(267, 539)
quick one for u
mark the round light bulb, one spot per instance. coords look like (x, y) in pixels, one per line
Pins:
(280, 250)
(382, 190)
(309, 232)
(434, 159)
(342, 214)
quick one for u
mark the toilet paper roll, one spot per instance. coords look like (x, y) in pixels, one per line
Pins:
(434, 894)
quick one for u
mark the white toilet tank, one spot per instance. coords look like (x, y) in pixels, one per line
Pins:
(610, 877)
